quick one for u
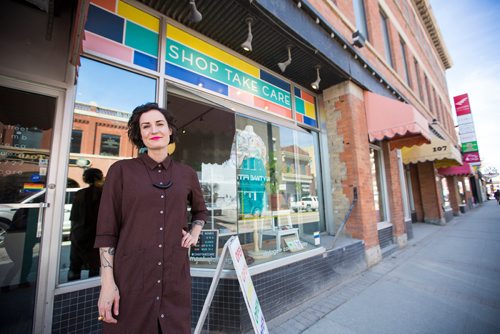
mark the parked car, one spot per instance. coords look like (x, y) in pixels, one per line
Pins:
(306, 203)
(7, 215)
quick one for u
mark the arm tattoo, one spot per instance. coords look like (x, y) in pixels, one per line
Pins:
(106, 263)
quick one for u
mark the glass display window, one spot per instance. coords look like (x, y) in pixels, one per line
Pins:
(378, 183)
(445, 194)
(105, 98)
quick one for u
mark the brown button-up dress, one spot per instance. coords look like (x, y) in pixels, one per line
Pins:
(145, 224)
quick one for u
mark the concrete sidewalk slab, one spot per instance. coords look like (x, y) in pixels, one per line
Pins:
(446, 280)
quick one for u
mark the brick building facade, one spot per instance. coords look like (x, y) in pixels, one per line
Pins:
(368, 143)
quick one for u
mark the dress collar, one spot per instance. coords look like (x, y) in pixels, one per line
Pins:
(153, 164)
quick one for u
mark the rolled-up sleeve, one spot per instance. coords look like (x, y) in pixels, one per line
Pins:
(110, 210)
(198, 207)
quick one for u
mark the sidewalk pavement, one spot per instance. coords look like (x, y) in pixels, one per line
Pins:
(446, 280)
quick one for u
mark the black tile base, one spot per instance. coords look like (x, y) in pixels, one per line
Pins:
(278, 290)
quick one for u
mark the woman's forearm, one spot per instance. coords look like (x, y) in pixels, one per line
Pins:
(107, 255)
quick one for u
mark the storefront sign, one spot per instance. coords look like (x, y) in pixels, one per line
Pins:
(247, 288)
(464, 119)
(470, 147)
(471, 157)
(233, 246)
(204, 65)
(207, 246)
(194, 61)
(462, 105)
(466, 129)
(468, 137)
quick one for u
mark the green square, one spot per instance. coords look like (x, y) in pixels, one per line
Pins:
(470, 147)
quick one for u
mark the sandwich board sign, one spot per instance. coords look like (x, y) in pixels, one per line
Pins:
(247, 288)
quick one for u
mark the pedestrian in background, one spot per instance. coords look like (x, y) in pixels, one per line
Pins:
(497, 195)
(143, 232)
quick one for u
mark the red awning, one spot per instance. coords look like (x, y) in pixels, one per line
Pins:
(463, 170)
(395, 121)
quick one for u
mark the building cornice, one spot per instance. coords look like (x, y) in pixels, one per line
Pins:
(425, 12)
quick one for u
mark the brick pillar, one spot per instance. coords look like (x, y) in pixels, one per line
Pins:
(395, 197)
(417, 198)
(350, 164)
(454, 197)
(431, 198)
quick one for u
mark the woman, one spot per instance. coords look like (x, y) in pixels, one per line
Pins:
(142, 233)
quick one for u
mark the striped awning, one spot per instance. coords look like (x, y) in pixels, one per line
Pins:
(395, 121)
(442, 152)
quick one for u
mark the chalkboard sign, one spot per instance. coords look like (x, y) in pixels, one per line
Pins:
(206, 248)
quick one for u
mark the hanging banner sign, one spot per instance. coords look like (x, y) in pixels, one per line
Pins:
(464, 119)
(462, 105)
(466, 130)
(470, 147)
(471, 157)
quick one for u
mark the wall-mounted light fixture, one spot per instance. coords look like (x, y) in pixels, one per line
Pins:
(247, 45)
(315, 84)
(194, 16)
(284, 64)
(358, 39)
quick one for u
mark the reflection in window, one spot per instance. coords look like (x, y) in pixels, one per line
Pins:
(205, 142)
(105, 98)
(378, 186)
(76, 141)
(282, 186)
(110, 145)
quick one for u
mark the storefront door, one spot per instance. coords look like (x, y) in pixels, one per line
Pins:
(26, 135)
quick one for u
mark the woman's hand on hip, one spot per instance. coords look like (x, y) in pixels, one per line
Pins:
(189, 238)
(109, 298)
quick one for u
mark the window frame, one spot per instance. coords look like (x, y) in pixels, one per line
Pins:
(386, 36)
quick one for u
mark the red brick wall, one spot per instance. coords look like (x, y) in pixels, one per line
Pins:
(349, 149)
(454, 198)
(431, 197)
(403, 21)
(394, 191)
(417, 198)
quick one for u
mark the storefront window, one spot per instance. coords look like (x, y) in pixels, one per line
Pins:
(110, 145)
(461, 191)
(76, 141)
(445, 194)
(258, 178)
(105, 98)
(378, 183)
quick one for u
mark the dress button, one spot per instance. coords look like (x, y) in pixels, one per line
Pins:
(159, 263)
(159, 170)
(159, 245)
(161, 228)
(161, 211)
(157, 297)
(159, 281)
(162, 196)
(163, 315)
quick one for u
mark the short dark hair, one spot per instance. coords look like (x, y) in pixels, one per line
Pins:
(91, 175)
(134, 130)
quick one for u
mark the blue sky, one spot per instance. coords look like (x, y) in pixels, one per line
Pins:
(471, 31)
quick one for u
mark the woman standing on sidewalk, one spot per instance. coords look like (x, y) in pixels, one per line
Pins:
(497, 195)
(143, 234)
